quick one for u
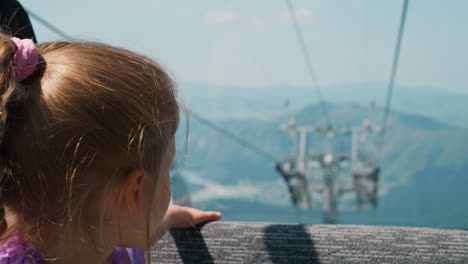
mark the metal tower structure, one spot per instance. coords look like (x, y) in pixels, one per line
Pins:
(319, 168)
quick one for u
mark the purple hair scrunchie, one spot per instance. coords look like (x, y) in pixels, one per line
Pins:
(25, 59)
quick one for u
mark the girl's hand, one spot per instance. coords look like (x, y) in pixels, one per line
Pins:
(184, 217)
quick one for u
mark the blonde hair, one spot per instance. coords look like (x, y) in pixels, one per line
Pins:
(88, 115)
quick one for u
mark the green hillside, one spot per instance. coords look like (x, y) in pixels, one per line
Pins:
(424, 170)
(226, 102)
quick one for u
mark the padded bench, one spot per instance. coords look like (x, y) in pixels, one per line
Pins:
(244, 242)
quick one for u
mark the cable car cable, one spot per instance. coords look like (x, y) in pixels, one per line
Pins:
(308, 61)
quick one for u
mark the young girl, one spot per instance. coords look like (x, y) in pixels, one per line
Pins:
(86, 143)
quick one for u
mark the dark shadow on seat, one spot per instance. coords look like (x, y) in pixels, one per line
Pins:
(290, 244)
(191, 245)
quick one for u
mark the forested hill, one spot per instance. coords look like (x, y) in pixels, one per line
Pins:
(424, 169)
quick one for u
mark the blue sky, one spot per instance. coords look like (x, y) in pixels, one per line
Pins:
(252, 43)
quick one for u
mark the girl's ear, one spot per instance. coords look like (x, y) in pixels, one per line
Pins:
(133, 192)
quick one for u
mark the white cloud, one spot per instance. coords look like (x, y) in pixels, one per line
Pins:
(274, 193)
(303, 16)
(220, 18)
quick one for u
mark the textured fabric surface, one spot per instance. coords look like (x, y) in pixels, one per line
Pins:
(239, 242)
(17, 251)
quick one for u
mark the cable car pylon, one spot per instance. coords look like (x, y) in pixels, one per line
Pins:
(319, 172)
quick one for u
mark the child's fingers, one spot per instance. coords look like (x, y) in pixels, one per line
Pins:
(215, 215)
(183, 217)
(209, 216)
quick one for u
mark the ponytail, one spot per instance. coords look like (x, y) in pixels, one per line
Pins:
(7, 52)
(16, 59)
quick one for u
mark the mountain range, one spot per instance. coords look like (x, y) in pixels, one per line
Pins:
(424, 164)
(228, 102)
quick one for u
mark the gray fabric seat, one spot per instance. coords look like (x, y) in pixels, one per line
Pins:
(242, 242)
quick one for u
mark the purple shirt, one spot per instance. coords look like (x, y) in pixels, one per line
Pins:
(17, 251)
